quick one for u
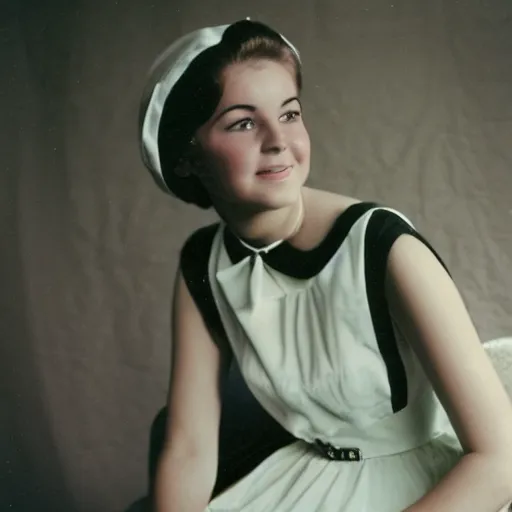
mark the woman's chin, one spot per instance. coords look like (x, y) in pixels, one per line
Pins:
(258, 198)
(280, 194)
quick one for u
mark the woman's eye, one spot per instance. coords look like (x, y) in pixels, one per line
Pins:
(241, 126)
(291, 116)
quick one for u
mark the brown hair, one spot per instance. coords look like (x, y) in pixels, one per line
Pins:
(197, 93)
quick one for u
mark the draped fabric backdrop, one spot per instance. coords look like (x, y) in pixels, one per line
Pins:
(409, 103)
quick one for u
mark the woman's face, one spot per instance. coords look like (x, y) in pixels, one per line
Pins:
(256, 147)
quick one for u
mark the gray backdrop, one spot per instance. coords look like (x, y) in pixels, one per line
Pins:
(408, 103)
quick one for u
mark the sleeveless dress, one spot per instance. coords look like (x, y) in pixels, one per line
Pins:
(314, 341)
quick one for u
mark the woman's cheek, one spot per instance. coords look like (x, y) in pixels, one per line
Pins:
(301, 149)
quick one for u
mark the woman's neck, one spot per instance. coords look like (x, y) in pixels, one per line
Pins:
(262, 228)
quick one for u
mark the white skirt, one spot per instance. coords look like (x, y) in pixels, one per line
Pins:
(296, 478)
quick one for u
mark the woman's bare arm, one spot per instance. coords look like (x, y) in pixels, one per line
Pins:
(431, 314)
(187, 468)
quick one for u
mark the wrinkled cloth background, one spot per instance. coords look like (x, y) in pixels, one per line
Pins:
(409, 103)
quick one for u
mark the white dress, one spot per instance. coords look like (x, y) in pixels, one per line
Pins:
(315, 343)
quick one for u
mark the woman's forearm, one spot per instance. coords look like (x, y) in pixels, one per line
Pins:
(183, 484)
(480, 483)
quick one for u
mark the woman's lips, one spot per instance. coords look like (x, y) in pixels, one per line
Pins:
(275, 173)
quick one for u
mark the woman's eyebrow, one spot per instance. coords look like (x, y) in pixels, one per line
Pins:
(289, 100)
(250, 108)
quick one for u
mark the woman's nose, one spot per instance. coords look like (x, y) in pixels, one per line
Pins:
(274, 141)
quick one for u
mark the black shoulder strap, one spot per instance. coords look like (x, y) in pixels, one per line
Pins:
(194, 260)
(383, 229)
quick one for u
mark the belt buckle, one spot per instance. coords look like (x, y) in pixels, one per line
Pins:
(341, 454)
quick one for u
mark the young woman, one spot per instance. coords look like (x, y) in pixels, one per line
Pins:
(344, 322)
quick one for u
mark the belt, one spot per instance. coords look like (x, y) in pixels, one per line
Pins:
(329, 451)
(408, 429)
